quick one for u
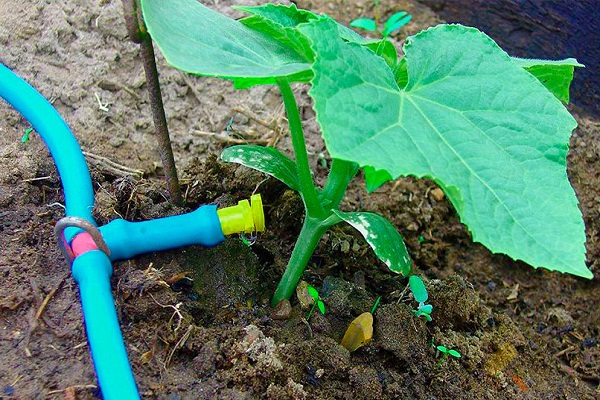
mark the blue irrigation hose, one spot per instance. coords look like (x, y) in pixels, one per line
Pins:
(93, 269)
(128, 239)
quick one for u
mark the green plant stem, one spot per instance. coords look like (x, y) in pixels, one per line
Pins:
(341, 174)
(441, 360)
(375, 305)
(307, 187)
(310, 234)
(312, 309)
(317, 219)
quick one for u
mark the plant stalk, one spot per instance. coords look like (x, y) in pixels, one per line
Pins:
(340, 175)
(310, 234)
(138, 35)
(307, 187)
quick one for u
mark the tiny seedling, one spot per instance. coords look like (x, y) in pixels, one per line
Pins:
(489, 129)
(375, 305)
(417, 287)
(26, 134)
(317, 302)
(445, 351)
(391, 25)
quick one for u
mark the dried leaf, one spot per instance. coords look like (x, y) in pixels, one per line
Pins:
(359, 332)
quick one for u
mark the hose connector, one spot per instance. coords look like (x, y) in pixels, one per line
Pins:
(246, 217)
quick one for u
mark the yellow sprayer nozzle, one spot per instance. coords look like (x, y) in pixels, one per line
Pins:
(246, 217)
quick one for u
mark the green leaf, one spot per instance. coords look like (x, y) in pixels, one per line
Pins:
(279, 21)
(443, 349)
(555, 75)
(375, 178)
(401, 74)
(469, 118)
(417, 287)
(312, 292)
(321, 306)
(25, 136)
(454, 353)
(395, 22)
(366, 24)
(385, 49)
(383, 238)
(198, 40)
(264, 159)
(426, 309)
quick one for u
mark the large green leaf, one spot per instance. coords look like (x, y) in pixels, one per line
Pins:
(383, 238)
(281, 21)
(195, 39)
(264, 159)
(555, 75)
(469, 118)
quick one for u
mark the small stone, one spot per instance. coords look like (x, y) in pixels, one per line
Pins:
(303, 296)
(437, 194)
(282, 310)
(559, 317)
(116, 141)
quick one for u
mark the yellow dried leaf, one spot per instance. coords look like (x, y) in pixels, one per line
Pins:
(146, 357)
(359, 333)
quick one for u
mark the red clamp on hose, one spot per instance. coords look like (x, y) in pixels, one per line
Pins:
(88, 240)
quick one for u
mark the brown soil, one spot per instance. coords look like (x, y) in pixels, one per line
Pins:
(522, 333)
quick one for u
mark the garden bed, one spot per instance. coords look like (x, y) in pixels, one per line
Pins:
(522, 333)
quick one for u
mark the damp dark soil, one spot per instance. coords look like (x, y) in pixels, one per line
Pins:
(522, 333)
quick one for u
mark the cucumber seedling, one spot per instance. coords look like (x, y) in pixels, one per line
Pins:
(489, 129)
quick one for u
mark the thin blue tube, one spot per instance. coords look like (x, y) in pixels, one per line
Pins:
(128, 239)
(69, 160)
(93, 269)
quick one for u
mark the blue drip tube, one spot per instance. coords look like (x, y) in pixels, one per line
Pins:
(93, 269)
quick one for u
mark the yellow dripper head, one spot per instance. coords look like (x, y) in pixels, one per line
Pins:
(245, 217)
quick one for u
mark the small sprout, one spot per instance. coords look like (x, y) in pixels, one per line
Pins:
(229, 125)
(395, 22)
(317, 302)
(452, 352)
(417, 287)
(366, 24)
(359, 332)
(25, 136)
(424, 310)
(445, 351)
(375, 305)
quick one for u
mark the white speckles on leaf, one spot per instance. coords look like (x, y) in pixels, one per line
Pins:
(383, 238)
(264, 159)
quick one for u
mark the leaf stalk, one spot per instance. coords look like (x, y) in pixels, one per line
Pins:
(307, 188)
